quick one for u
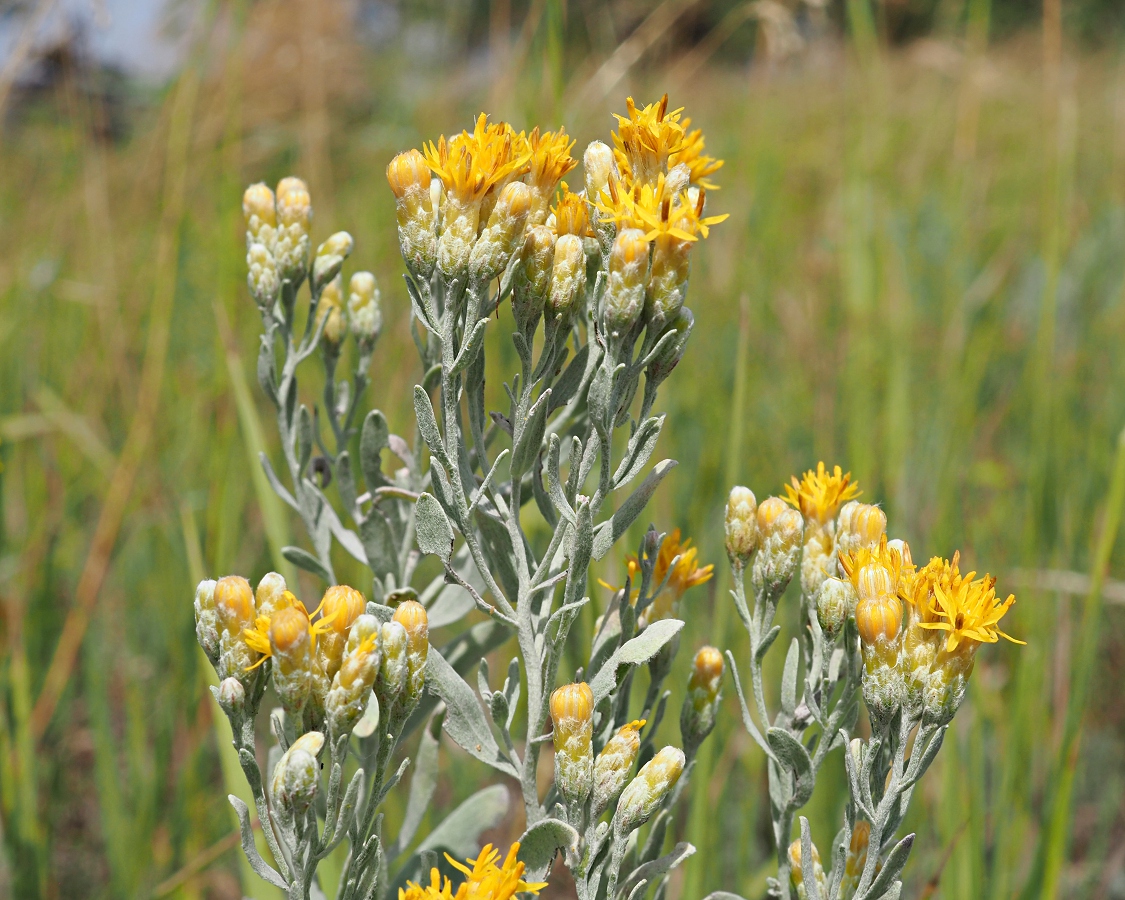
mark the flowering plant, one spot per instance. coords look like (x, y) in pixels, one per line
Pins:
(597, 281)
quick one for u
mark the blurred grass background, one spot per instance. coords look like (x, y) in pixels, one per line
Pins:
(923, 279)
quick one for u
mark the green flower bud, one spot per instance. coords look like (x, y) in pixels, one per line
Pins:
(411, 615)
(296, 776)
(532, 281)
(780, 530)
(613, 764)
(262, 275)
(625, 291)
(697, 718)
(494, 248)
(667, 281)
(207, 620)
(644, 794)
(294, 217)
(364, 313)
(568, 275)
(670, 355)
(741, 525)
(572, 711)
(231, 696)
(410, 180)
(835, 601)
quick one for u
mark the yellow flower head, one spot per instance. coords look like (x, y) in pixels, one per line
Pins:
(571, 216)
(549, 159)
(685, 574)
(258, 637)
(691, 155)
(967, 610)
(470, 165)
(892, 559)
(645, 139)
(818, 495)
(484, 881)
(651, 209)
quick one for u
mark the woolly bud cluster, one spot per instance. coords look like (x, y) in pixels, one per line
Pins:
(625, 290)
(294, 225)
(330, 258)
(365, 316)
(330, 314)
(296, 775)
(494, 248)
(234, 611)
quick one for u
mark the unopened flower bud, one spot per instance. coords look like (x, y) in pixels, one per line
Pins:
(798, 871)
(290, 643)
(411, 615)
(532, 281)
(231, 696)
(365, 316)
(677, 179)
(613, 764)
(572, 711)
(899, 546)
(339, 608)
(625, 290)
(568, 275)
(260, 213)
(644, 794)
(351, 685)
(363, 627)
(780, 531)
(207, 620)
(262, 275)
(500, 237)
(598, 164)
(410, 180)
(668, 280)
(296, 776)
(391, 682)
(741, 525)
(330, 311)
(697, 718)
(330, 258)
(234, 603)
(294, 223)
(835, 601)
(878, 611)
(859, 525)
(269, 592)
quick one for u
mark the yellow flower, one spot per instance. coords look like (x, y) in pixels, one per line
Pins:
(258, 637)
(549, 160)
(691, 155)
(682, 576)
(899, 566)
(967, 610)
(469, 165)
(571, 216)
(645, 139)
(648, 208)
(484, 881)
(818, 495)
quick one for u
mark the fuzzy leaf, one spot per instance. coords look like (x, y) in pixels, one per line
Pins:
(529, 436)
(435, 534)
(792, 753)
(465, 721)
(541, 842)
(259, 865)
(460, 831)
(639, 650)
(470, 347)
(608, 532)
(373, 441)
(379, 544)
(789, 679)
(428, 426)
(641, 445)
(570, 380)
(304, 438)
(893, 865)
(305, 560)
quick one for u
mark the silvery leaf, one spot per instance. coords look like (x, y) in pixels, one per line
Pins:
(541, 842)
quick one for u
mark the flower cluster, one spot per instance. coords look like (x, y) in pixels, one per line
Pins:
(484, 881)
(323, 665)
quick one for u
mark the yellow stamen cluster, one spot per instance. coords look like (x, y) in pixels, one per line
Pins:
(818, 495)
(570, 213)
(470, 164)
(700, 166)
(484, 881)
